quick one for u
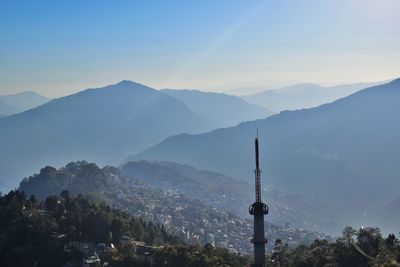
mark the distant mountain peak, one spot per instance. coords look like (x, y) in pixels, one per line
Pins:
(126, 86)
(27, 93)
(103, 124)
(225, 110)
(304, 84)
(129, 83)
(18, 102)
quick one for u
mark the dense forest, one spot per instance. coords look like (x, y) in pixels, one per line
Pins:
(363, 247)
(46, 233)
(61, 230)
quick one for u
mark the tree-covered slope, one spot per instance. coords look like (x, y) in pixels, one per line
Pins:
(192, 220)
(65, 231)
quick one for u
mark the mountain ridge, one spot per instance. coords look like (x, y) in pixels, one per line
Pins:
(226, 110)
(339, 151)
(102, 124)
(304, 95)
(20, 102)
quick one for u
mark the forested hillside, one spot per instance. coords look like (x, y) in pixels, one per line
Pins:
(354, 248)
(190, 219)
(67, 231)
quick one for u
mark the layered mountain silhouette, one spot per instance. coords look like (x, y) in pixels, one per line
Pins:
(104, 125)
(225, 110)
(15, 103)
(303, 95)
(346, 152)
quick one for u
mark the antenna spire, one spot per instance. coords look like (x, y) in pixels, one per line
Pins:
(258, 209)
(257, 172)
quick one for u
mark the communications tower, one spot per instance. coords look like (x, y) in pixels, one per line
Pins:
(258, 209)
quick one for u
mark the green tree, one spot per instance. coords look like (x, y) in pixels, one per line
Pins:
(279, 254)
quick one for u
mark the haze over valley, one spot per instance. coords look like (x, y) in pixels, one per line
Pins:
(343, 152)
(188, 155)
(222, 133)
(324, 148)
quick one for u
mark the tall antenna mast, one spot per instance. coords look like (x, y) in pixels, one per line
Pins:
(258, 209)
(257, 172)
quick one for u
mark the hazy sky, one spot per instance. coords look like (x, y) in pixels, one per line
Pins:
(59, 47)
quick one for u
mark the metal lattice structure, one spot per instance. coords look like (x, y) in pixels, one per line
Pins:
(258, 209)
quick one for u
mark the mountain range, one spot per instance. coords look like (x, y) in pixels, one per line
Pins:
(16, 103)
(223, 109)
(340, 153)
(303, 95)
(104, 125)
(345, 152)
(107, 124)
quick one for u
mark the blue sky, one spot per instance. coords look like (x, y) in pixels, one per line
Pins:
(59, 47)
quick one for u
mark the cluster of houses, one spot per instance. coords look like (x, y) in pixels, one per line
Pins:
(180, 216)
(96, 254)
